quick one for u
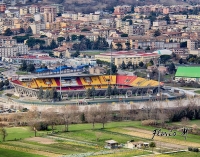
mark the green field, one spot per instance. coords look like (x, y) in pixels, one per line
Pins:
(14, 153)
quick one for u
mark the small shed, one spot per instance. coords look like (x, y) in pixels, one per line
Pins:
(139, 144)
(111, 144)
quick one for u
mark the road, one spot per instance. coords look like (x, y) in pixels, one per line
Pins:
(115, 106)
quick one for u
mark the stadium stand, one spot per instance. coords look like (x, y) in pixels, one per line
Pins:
(82, 83)
(125, 80)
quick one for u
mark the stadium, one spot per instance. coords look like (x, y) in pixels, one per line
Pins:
(188, 74)
(74, 85)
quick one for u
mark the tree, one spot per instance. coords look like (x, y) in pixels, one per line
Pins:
(124, 35)
(67, 39)
(104, 113)
(40, 93)
(76, 54)
(82, 117)
(21, 30)
(51, 117)
(23, 66)
(3, 133)
(172, 68)
(68, 115)
(148, 48)
(88, 93)
(123, 65)
(119, 46)
(129, 65)
(53, 94)
(8, 32)
(127, 45)
(81, 37)
(167, 19)
(115, 91)
(30, 68)
(53, 44)
(181, 61)
(6, 82)
(152, 145)
(127, 17)
(1, 84)
(47, 95)
(165, 58)
(74, 37)
(43, 36)
(29, 31)
(93, 92)
(31, 20)
(157, 33)
(141, 64)
(60, 39)
(109, 91)
(151, 61)
(92, 115)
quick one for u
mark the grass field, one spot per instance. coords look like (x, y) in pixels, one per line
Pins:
(197, 91)
(22, 73)
(14, 153)
(180, 154)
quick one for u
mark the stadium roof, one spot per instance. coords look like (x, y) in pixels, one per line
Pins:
(188, 72)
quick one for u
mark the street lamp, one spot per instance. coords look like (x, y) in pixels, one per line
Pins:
(161, 52)
(60, 77)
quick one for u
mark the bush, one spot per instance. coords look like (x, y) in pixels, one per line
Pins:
(189, 148)
(193, 149)
(149, 122)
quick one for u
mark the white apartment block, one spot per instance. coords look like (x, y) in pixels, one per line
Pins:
(10, 47)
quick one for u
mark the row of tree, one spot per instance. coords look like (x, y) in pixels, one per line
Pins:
(72, 114)
(27, 67)
(47, 95)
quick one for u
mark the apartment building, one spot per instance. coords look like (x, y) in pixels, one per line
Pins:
(9, 47)
(122, 9)
(126, 56)
(34, 9)
(2, 7)
(49, 13)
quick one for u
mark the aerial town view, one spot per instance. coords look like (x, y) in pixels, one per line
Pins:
(100, 78)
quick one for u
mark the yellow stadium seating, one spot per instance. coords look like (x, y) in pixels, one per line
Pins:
(146, 83)
(95, 80)
(30, 84)
(137, 81)
(107, 79)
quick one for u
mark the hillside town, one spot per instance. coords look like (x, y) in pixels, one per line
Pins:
(99, 78)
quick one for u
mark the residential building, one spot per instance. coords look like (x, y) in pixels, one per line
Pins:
(9, 47)
(126, 56)
(49, 13)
